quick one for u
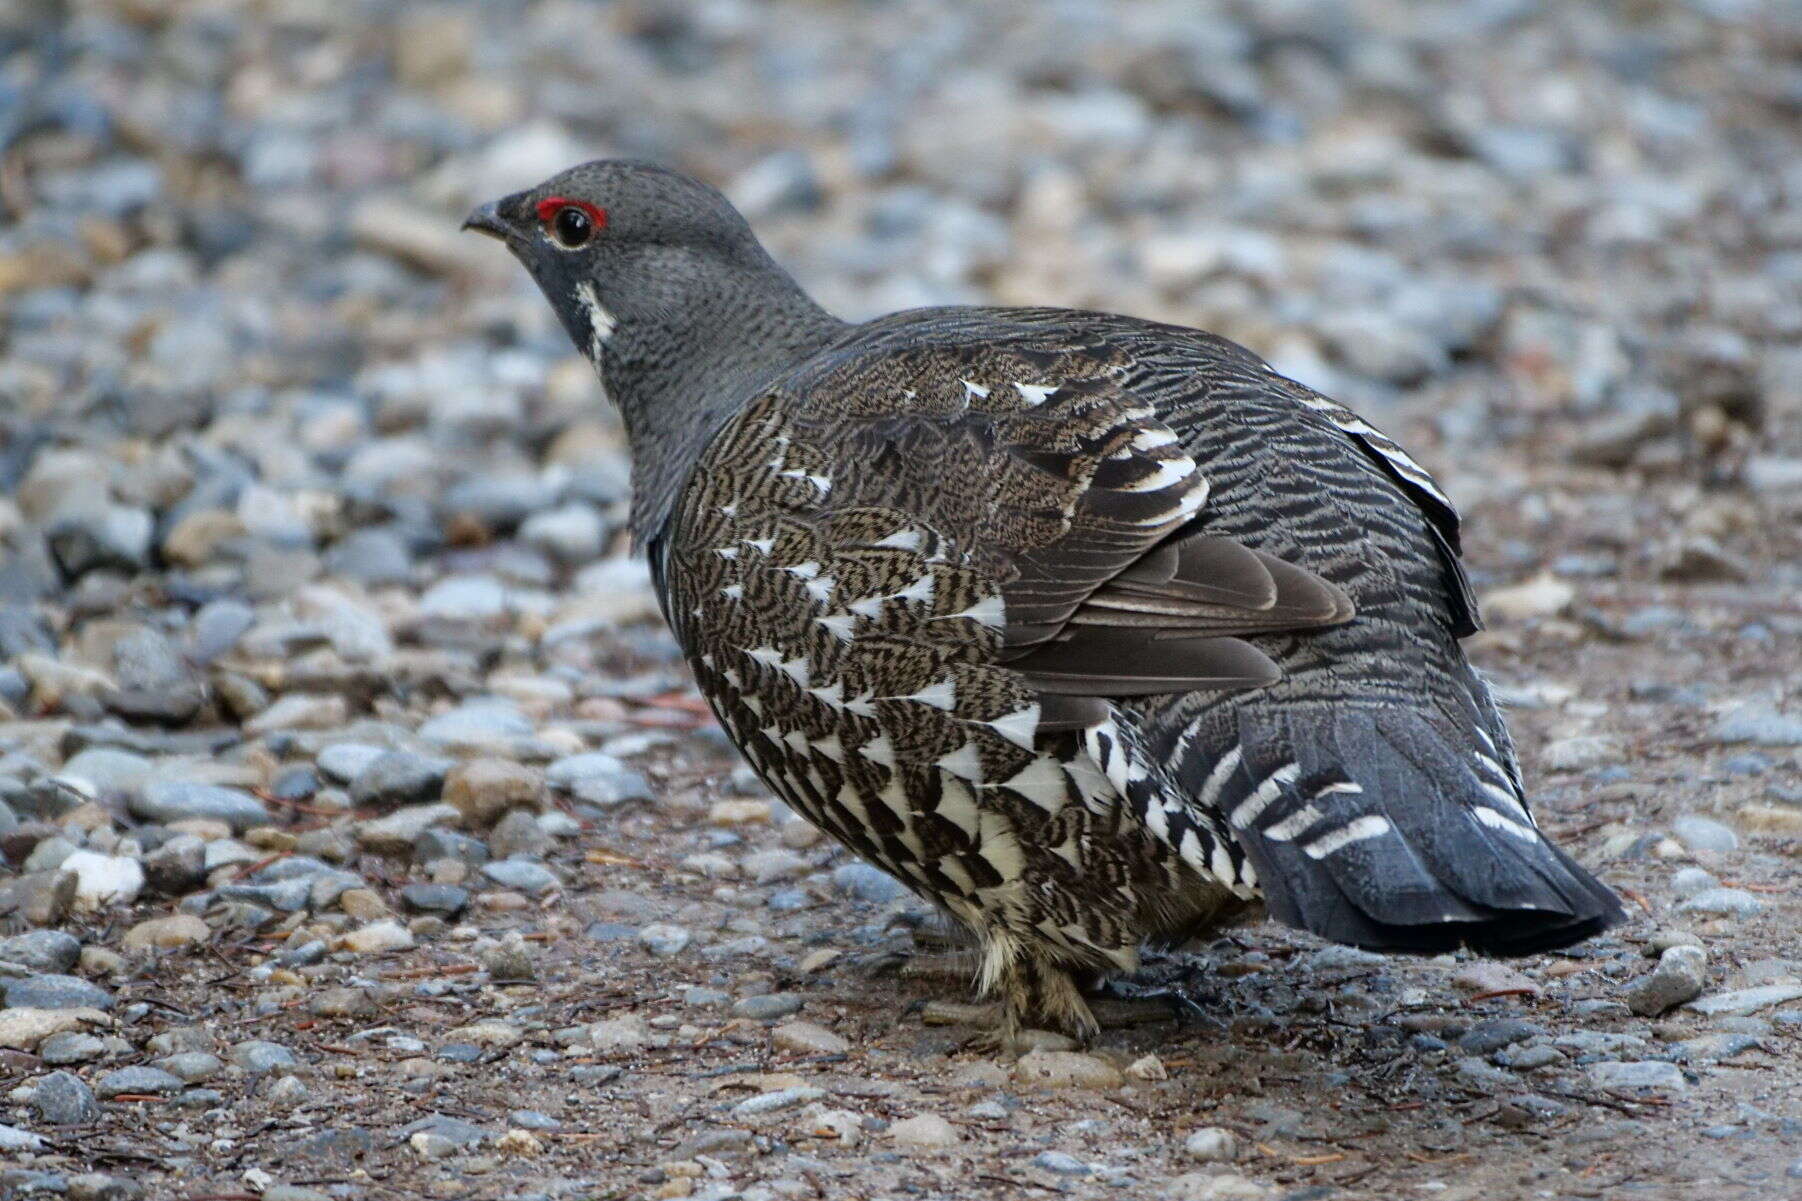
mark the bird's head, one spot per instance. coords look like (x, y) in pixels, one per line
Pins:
(663, 286)
(613, 242)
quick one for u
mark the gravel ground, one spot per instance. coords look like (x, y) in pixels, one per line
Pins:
(362, 837)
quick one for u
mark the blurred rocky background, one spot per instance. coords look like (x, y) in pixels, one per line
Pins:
(331, 700)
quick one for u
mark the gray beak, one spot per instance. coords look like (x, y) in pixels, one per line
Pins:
(487, 220)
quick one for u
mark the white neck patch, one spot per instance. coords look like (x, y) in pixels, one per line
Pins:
(601, 323)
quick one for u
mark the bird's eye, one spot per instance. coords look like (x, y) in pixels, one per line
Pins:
(570, 223)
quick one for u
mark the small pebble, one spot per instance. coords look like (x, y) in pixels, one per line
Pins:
(1680, 976)
(1067, 1069)
(1212, 1144)
(808, 1038)
(926, 1132)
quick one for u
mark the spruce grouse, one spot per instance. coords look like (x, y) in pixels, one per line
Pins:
(1087, 629)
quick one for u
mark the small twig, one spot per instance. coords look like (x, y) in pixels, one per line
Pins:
(251, 869)
(1518, 990)
(419, 973)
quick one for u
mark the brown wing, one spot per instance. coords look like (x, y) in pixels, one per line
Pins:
(1086, 507)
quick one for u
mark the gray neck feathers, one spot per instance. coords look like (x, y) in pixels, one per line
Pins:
(691, 342)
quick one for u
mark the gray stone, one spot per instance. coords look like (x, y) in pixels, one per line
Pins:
(777, 1100)
(217, 628)
(1061, 1163)
(477, 723)
(153, 682)
(399, 778)
(519, 834)
(1746, 1000)
(778, 183)
(1487, 1037)
(572, 533)
(41, 898)
(1478, 1076)
(399, 832)
(866, 883)
(456, 1131)
(371, 556)
(1599, 1042)
(1691, 880)
(52, 991)
(440, 843)
(533, 879)
(1760, 725)
(1722, 902)
(502, 501)
(1529, 1058)
(447, 899)
(181, 1038)
(1680, 976)
(1699, 833)
(768, 1006)
(191, 1067)
(109, 769)
(14, 1139)
(287, 1091)
(116, 536)
(177, 866)
(48, 854)
(286, 896)
(1212, 1144)
(465, 598)
(1710, 1048)
(664, 938)
(98, 1186)
(304, 955)
(62, 1099)
(170, 801)
(342, 761)
(41, 950)
(257, 1055)
(70, 1046)
(1663, 940)
(1638, 1074)
(597, 778)
(141, 1079)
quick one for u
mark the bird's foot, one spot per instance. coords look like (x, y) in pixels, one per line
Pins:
(956, 966)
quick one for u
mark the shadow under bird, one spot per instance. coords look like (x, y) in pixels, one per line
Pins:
(1089, 630)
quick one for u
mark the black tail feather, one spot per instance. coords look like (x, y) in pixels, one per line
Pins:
(1388, 829)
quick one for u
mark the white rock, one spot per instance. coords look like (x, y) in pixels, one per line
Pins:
(1212, 1144)
(842, 1125)
(376, 937)
(927, 1131)
(627, 1033)
(1580, 753)
(1148, 1067)
(24, 1027)
(300, 711)
(1067, 1069)
(175, 930)
(1698, 833)
(103, 880)
(1198, 1186)
(1542, 596)
(572, 532)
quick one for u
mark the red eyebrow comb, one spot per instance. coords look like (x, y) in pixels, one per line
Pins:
(548, 207)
